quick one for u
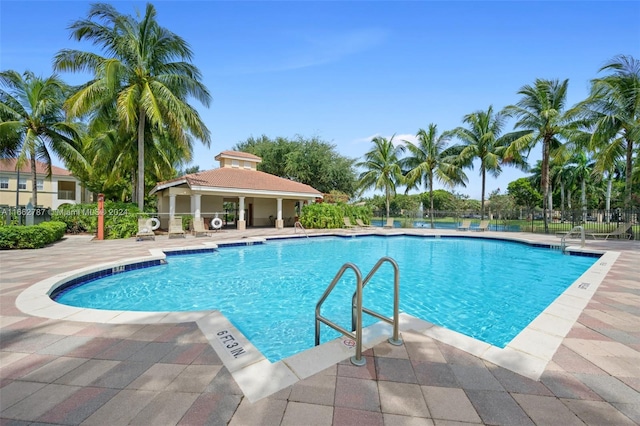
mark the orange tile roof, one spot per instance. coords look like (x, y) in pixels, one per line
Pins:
(235, 178)
(9, 165)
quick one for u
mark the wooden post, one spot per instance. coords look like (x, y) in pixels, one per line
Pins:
(101, 216)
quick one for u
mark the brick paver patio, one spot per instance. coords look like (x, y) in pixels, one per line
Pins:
(65, 372)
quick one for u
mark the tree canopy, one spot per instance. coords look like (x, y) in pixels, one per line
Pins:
(307, 160)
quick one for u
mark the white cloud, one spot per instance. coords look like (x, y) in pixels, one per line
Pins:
(302, 50)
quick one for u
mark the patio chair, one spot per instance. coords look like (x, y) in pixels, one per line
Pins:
(465, 225)
(144, 230)
(389, 223)
(198, 227)
(619, 232)
(347, 223)
(175, 227)
(362, 224)
(484, 226)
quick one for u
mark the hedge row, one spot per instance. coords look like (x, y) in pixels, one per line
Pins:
(331, 216)
(30, 237)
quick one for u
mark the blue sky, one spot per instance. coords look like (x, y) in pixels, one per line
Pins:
(348, 71)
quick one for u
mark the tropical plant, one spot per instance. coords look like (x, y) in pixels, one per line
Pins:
(614, 109)
(580, 167)
(483, 140)
(32, 122)
(382, 168)
(430, 159)
(146, 80)
(540, 113)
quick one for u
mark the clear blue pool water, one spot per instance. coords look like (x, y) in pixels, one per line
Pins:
(487, 289)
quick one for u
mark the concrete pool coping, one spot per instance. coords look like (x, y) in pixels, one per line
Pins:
(527, 354)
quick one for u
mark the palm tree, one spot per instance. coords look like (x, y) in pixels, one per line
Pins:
(482, 140)
(614, 108)
(431, 159)
(540, 113)
(146, 79)
(382, 168)
(580, 168)
(32, 122)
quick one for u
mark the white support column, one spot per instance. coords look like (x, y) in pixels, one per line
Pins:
(242, 224)
(172, 206)
(78, 193)
(195, 208)
(279, 221)
(301, 203)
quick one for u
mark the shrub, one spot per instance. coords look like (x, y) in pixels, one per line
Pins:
(329, 216)
(30, 237)
(120, 219)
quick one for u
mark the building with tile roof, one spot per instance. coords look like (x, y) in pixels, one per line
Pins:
(237, 193)
(53, 191)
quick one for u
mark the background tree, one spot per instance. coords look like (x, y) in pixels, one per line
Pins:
(524, 194)
(146, 79)
(309, 161)
(430, 159)
(32, 123)
(540, 112)
(381, 168)
(272, 151)
(442, 200)
(482, 139)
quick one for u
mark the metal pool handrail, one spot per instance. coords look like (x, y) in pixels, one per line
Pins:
(357, 308)
(299, 225)
(395, 339)
(563, 244)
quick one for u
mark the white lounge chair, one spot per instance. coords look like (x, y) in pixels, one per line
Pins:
(619, 232)
(347, 223)
(362, 224)
(198, 227)
(465, 225)
(175, 227)
(483, 226)
(389, 223)
(145, 230)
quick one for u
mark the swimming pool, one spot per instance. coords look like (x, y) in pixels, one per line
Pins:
(487, 289)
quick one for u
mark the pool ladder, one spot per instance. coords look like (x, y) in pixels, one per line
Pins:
(357, 308)
(299, 225)
(563, 243)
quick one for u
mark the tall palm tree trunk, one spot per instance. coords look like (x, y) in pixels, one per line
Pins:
(140, 191)
(583, 199)
(34, 182)
(484, 174)
(561, 201)
(627, 183)
(607, 204)
(545, 182)
(388, 201)
(431, 200)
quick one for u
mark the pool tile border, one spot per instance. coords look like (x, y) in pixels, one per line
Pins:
(527, 354)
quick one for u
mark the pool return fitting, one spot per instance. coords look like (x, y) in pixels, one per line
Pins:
(357, 308)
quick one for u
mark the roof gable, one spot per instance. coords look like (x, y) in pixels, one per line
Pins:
(240, 179)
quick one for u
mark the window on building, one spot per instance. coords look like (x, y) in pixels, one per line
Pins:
(40, 184)
(22, 183)
(235, 163)
(247, 165)
(4, 183)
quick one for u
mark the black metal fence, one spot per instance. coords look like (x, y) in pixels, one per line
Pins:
(593, 221)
